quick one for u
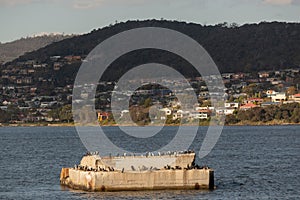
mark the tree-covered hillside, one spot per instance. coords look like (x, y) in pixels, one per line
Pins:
(247, 48)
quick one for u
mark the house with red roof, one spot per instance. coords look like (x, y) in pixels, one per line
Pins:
(103, 116)
(248, 106)
(256, 101)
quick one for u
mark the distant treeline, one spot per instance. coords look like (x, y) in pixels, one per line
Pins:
(285, 113)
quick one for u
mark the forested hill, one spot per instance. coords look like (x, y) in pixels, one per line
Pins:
(247, 48)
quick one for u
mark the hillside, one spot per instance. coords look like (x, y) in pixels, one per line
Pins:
(251, 47)
(40, 83)
(12, 50)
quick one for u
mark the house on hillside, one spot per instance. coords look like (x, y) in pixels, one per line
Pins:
(295, 97)
(263, 74)
(228, 108)
(225, 111)
(72, 58)
(227, 75)
(198, 115)
(180, 114)
(271, 93)
(238, 76)
(279, 97)
(103, 116)
(256, 101)
(233, 105)
(57, 66)
(204, 113)
(248, 106)
(265, 104)
(3, 107)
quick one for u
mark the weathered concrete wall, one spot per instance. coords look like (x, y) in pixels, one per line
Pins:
(185, 159)
(129, 163)
(64, 173)
(148, 180)
(91, 161)
(137, 173)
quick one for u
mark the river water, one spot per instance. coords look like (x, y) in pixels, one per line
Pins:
(250, 163)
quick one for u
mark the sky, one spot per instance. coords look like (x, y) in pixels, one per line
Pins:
(22, 18)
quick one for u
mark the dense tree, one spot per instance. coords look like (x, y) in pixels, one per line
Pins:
(291, 90)
(258, 115)
(63, 114)
(147, 102)
(286, 113)
(231, 119)
(140, 115)
(246, 48)
(270, 112)
(296, 115)
(4, 116)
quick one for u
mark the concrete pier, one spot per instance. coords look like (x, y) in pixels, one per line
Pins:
(125, 173)
(148, 180)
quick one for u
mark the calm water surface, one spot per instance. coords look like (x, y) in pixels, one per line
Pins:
(249, 162)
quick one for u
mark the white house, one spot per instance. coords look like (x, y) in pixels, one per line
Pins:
(279, 97)
(205, 108)
(3, 107)
(197, 115)
(176, 116)
(224, 111)
(232, 105)
(295, 97)
(271, 93)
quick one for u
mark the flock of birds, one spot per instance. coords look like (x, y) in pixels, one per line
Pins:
(143, 168)
(147, 154)
(98, 169)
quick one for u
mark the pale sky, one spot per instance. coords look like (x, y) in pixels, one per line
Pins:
(21, 18)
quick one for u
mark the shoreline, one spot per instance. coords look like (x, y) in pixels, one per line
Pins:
(153, 125)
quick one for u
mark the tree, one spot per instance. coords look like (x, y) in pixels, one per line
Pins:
(224, 24)
(270, 112)
(250, 90)
(65, 113)
(245, 115)
(147, 102)
(206, 103)
(296, 116)
(234, 25)
(4, 116)
(259, 115)
(54, 113)
(231, 98)
(140, 115)
(231, 119)
(291, 90)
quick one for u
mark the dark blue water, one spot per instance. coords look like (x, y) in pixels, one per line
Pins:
(249, 162)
